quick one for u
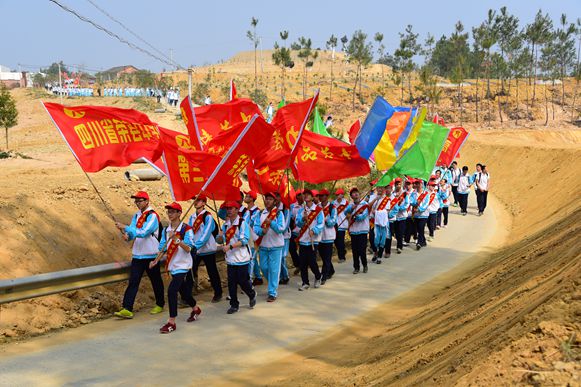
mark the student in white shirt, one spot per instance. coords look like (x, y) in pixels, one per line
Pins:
(481, 181)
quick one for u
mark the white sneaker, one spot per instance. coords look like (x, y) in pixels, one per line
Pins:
(429, 238)
(303, 287)
(317, 284)
(444, 226)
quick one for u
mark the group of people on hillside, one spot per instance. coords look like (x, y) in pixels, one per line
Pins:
(256, 242)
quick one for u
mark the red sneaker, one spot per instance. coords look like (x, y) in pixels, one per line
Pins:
(195, 313)
(167, 328)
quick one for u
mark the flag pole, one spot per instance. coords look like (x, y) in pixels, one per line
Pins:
(100, 197)
(300, 134)
(216, 211)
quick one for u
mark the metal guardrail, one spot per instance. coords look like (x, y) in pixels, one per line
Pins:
(24, 288)
(18, 289)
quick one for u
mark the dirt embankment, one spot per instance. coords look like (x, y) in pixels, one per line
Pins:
(511, 317)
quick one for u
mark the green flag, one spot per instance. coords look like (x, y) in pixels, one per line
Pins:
(282, 103)
(319, 125)
(420, 159)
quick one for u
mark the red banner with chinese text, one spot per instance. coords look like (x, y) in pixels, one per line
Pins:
(252, 140)
(322, 159)
(188, 169)
(288, 123)
(214, 119)
(102, 136)
(451, 148)
(266, 180)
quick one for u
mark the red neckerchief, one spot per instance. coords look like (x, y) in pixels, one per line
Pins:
(310, 218)
(172, 248)
(271, 215)
(356, 213)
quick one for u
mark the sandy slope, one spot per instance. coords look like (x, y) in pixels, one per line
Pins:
(503, 320)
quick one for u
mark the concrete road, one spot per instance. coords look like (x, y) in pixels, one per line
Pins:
(132, 352)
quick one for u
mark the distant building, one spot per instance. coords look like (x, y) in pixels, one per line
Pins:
(115, 72)
(13, 79)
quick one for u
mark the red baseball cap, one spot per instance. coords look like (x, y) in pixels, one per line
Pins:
(432, 182)
(271, 194)
(354, 189)
(307, 191)
(397, 180)
(373, 182)
(140, 195)
(174, 206)
(340, 191)
(324, 192)
(202, 197)
(315, 192)
(252, 194)
(299, 192)
(231, 204)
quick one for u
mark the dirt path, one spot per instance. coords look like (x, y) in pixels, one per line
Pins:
(131, 352)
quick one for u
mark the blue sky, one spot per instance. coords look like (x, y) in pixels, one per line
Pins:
(37, 32)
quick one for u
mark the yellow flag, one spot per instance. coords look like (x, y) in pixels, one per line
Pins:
(418, 121)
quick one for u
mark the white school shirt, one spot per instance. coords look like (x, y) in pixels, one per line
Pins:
(482, 179)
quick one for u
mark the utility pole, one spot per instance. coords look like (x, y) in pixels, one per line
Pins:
(190, 71)
(60, 83)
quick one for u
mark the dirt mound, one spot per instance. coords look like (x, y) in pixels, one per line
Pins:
(512, 316)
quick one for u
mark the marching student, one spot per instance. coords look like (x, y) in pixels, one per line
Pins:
(358, 218)
(399, 204)
(371, 197)
(204, 247)
(482, 184)
(293, 247)
(250, 199)
(421, 212)
(310, 220)
(235, 236)
(177, 241)
(328, 236)
(380, 208)
(454, 180)
(464, 184)
(410, 226)
(269, 227)
(445, 193)
(433, 206)
(284, 274)
(143, 231)
(341, 204)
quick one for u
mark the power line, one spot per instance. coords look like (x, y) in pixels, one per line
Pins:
(131, 32)
(114, 35)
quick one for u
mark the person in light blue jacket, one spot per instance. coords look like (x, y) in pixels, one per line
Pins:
(310, 221)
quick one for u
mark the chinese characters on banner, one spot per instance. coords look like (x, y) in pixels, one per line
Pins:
(452, 145)
(102, 136)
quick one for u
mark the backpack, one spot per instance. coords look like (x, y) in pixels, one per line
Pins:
(160, 228)
(216, 230)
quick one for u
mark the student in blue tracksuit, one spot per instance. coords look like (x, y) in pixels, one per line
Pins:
(328, 235)
(269, 227)
(284, 274)
(204, 248)
(445, 192)
(433, 207)
(310, 221)
(340, 204)
(401, 200)
(143, 231)
(380, 207)
(358, 218)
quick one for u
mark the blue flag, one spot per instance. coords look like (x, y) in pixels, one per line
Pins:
(406, 132)
(373, 127)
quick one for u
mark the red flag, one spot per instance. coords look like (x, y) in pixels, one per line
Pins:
(438, 120)
(102, 136)
(322, 159)
(289, 123)
(266, 180)
(252, 140)
(451, 148)
(354, 131)
(232, 90)
(188, 169)
(210, 121)
(187, 108)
